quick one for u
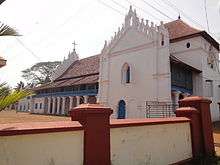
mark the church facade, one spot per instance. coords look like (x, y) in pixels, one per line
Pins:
(142, 63)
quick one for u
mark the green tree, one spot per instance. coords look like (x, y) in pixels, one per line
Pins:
(9, 96)
(40, 73)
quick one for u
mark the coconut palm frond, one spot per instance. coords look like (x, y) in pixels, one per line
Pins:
(6, 30)
(8, 97)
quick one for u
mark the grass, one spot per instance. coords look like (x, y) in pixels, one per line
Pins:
(22, 117)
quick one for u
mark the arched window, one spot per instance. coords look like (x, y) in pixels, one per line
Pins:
(126, 73)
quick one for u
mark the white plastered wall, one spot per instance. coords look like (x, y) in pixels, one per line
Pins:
(196, 56)
(42, 149)
(152, 144)
(150, 71)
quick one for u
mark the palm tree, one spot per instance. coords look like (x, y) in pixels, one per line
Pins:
(9, 97)
(6, 30)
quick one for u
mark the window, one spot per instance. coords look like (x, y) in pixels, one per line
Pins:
(90, 87)
(209, 88)
(188, 45)
(126, 74)
(83, 87)
(162, 39)
(36, 105)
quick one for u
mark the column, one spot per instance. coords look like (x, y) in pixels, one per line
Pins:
(63, 106)
(71, 103)
(54, 105)
(58, 105)
(203, 107)
(176, 95)
(49, 105)
(77, 100)
(94, 118)
(86, 99)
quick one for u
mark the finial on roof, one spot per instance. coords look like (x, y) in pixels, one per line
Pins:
(74, 46)
(179, 17)
(130, 9)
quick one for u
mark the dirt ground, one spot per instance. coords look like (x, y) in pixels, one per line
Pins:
(21, 117)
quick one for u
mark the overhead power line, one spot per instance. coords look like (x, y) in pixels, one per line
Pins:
(28, 49)
(145, 11)
(164, 14)
(115, 2)
(206, 15)
(168, 3)
(106, 5)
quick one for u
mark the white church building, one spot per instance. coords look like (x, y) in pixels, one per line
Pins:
(142, 65)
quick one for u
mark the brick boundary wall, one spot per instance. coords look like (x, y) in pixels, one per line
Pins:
(94, 119)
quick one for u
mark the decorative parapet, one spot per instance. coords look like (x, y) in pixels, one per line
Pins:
(151, 31)
(72, 57)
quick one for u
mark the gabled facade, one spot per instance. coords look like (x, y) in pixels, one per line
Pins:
(142, 63)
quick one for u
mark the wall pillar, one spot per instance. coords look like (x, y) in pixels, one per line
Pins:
(63, 105)
(49, 105)
(77, 100)
(71, 103)
(86, 99)
(58, 105)
(202, 105)
(31, 105)
(53, 105)
(176, 95)
(95, 121)
(195, 126)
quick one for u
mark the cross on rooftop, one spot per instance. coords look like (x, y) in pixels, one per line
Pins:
(74, 45)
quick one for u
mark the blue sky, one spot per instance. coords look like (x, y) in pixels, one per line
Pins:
(49, 27)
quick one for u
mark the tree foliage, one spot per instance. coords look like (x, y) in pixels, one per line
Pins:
(40, 73)
(8, 96)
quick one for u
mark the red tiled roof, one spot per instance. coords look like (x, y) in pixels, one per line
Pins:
(178, 29)
(86, 66)
(87, 79)
(86, 70)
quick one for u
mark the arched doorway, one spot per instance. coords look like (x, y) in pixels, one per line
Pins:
(121, 109)
(92, 99)
(181, 96)
(81, 100)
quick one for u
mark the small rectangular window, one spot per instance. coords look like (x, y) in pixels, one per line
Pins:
(209, 88)
(40, 105)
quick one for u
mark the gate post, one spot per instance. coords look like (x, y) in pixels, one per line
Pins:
(195, 127)
(95, 121)
(203, 107)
